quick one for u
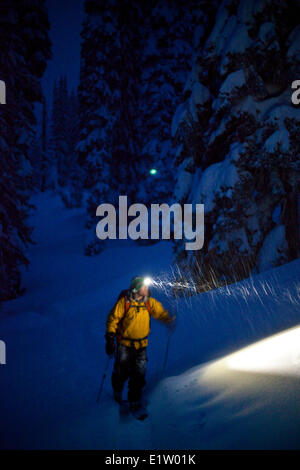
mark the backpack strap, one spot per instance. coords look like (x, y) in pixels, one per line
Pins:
(148, 306)
(127, 305)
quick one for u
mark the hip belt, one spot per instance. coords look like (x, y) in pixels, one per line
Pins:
(119, 337)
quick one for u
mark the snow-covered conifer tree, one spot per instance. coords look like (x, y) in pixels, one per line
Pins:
(167, 58)
(99, 101)
(25, 49)
(245, 164)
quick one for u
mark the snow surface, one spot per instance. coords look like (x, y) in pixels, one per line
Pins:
(184, 179)
(278, 138)
(179, 117)
(274, 244)
(229, 382)
(218, 175)
(199, 96)
(294, 41)
(234, 80)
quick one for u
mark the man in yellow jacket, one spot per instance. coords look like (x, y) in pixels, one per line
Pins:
(129, 323)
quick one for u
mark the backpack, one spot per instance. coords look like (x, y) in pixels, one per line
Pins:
(125, 293)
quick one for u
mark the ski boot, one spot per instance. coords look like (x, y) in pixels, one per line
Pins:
(138, 410)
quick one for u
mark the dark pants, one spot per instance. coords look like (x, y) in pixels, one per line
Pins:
(130, 363)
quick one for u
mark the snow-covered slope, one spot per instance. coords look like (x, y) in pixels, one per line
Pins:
(246, 400)
(207, 397)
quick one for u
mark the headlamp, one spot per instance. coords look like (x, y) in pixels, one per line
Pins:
(147, 281)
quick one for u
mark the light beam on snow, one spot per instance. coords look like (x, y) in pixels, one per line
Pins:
(168, 281)
(243, 290)
(279, 354)
(249, 295)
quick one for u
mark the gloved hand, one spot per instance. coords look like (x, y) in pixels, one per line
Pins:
(110, 344)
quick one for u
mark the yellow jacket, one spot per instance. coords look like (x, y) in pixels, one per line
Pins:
(136, 323)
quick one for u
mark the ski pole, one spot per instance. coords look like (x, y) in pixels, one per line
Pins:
(103, 378)
(168, 343)
(167, 351)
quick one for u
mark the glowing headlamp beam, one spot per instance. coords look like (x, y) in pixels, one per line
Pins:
(148, 281)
